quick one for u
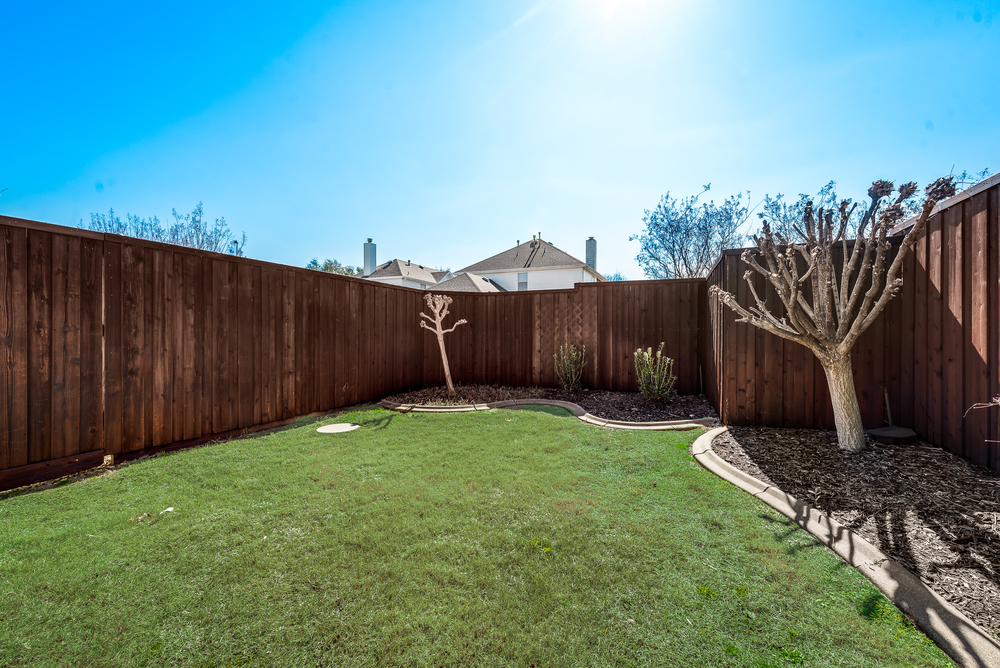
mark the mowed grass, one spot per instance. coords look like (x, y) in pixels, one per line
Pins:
(506, 538)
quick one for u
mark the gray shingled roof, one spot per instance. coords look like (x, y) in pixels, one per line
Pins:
(529, 254)
(469, 283)
(412, 270)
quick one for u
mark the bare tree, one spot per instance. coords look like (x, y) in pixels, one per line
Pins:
(844, 300)
(438, 304)
(192, 230)
(683, 237)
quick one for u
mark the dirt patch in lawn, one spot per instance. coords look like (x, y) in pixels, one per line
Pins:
(625, 406)
(935, 513)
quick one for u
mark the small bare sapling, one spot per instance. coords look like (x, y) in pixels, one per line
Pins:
(438, 304)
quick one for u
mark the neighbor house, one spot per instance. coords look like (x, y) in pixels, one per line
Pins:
(408, 274)
(533, 265)
(400, 272)
(537, 265)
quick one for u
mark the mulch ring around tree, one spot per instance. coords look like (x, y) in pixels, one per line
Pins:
(933, 512)
(625, 406)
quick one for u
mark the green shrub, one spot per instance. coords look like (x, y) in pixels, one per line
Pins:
(655, 374)
(569, 367)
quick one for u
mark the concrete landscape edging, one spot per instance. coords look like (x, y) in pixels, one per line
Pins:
(961, 638)
(576, 410)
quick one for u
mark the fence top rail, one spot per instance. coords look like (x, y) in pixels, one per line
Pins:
(24, 223)
(49, 227)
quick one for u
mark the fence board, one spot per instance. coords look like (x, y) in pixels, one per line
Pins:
(993, 290)
(14, 347)
(976, 373)
(91, 345)
(65, 346)
(39, 346)
(921, 306)
(953, 399)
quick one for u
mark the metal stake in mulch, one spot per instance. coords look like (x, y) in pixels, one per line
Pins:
(337, 428)
(892, 435)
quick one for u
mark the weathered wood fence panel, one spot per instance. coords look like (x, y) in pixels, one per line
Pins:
(934, 348)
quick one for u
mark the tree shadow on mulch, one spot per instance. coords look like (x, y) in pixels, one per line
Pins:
(936, 514)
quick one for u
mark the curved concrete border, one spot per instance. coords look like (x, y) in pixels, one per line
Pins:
(956, 634)
(576, 410)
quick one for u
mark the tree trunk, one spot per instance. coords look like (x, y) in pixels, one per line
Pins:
(846, 413)
(447, 369)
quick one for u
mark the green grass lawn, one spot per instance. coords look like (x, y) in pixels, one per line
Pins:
(493, 538)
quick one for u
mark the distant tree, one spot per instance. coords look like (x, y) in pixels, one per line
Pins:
(334, 267)
(438, 304)
(783, 216)
(683, 238)
(617, 276)
(191, 230)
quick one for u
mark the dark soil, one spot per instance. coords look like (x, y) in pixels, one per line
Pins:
(625, 406)
(936, 514)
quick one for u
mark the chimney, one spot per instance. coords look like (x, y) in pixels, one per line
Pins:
(369, 260)
(592, 253)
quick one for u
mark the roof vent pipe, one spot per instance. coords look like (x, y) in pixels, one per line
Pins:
(369, 258)
(592, 253)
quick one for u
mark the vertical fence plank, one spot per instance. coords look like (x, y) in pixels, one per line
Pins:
(114, 354)
(953, 399)
(14, 346)
(39, 346)
(189, 389)
(921, 356)
(993, 289)
(223, 306)
(91, 423)
(245, 341)
(7, 354)
(175, 336)
(157, 301)
(65, 346)
(935, 313)
(206, 344)
(976, 374)
(902, 401)
(133, 336)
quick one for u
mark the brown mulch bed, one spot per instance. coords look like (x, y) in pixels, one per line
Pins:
(625, 406)
(935, 513)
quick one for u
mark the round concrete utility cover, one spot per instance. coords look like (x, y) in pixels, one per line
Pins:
(337, 428)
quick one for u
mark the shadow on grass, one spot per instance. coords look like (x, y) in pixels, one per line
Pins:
(378, 422)
(790, 530)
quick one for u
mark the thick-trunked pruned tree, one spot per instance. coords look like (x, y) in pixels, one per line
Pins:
(844, 300)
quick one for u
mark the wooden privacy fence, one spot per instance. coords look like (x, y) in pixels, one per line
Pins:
(112, 345)
(934, 348)
(511, 337)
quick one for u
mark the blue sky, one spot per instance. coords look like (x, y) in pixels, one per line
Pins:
(447, 131)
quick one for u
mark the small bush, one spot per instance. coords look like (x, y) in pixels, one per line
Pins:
(569, 367)
(655, 374)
